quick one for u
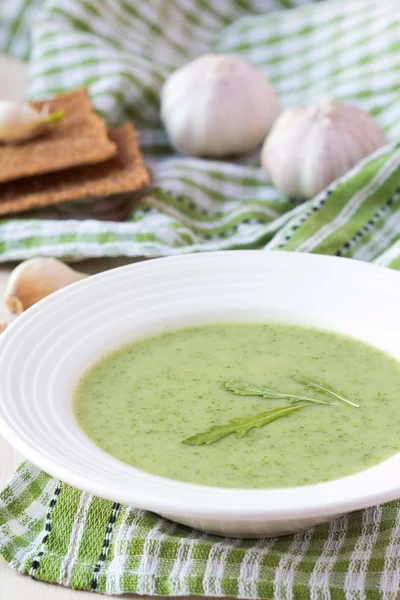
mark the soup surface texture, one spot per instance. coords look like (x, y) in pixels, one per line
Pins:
(140, 402)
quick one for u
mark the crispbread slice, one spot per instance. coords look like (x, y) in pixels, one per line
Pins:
(79, 138)
(124, 173)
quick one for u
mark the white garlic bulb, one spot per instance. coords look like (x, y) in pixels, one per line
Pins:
(20, 121)
(36, 278)
(311, 146)
(218, 105)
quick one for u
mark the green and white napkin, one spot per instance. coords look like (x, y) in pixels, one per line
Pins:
(58, 534)
(123, 50)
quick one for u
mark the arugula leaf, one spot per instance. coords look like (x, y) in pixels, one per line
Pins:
(242, 388)
(240, 426)
(324, 389)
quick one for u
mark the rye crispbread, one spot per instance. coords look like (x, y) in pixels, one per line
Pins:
(124, 173)
(79, 138)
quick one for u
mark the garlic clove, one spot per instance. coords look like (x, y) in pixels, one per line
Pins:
(311, 146)
(21, 122)
(6, 323)
(218, 105)
(36, 278)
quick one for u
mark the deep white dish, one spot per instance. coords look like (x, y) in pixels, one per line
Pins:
(43, 353)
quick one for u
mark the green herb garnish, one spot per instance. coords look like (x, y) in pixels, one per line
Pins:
(240, 426)
(242, 388)
(324, 389)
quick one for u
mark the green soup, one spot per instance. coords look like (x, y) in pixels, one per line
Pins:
(141, 402)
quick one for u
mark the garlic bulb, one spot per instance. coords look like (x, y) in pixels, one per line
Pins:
(35, 279)
(21, 122)
(218, 105)
(311, 146)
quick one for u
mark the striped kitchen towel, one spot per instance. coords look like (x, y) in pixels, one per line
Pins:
(123, 50)
(58, 534)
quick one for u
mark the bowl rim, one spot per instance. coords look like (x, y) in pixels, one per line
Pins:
(321, 503)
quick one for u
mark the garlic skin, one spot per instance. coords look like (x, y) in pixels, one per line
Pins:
(218, 105)
(20, 122)
(36, 278)
(311, 146)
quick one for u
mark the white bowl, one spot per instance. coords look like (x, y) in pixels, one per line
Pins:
(45, 351)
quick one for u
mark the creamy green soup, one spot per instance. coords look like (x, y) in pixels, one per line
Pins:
(141, 402)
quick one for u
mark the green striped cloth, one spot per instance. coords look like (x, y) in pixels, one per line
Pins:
(124, 49)
(58, 534)
(16, 19)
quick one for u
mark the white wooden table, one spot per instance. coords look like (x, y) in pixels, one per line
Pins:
(13, 82)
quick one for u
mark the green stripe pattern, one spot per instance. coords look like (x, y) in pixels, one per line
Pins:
(60, 535)
(123, 51)
(16, 18)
